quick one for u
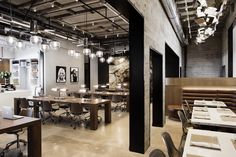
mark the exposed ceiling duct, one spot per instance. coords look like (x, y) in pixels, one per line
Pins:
(171, 10)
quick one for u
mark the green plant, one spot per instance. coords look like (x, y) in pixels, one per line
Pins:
(5, 74)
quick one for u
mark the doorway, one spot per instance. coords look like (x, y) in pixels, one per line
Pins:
(172, 62)
(156, 87)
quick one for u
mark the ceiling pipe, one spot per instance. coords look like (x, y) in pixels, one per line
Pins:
(171, 11)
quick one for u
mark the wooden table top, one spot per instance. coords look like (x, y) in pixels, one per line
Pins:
(70, 100)
(7, 125)
(105, 93)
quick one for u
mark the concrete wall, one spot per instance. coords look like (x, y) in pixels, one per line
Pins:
(93, 73)
(60, 57)
(158, 31)
(204, 60)
(228, 23)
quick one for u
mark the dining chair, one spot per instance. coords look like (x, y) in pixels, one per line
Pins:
(118, 100)
(157, 153)
(172, 150)
(48, 108)
(77, 113)
(24, 112)
(188, 106)
(184, 121)
(186, 112)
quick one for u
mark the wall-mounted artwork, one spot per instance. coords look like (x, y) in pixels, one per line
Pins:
(74, 74)
(60, 74)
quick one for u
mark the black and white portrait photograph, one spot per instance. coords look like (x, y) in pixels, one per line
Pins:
(60, 74)
(74, 74)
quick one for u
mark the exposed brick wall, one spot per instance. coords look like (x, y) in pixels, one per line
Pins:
(204, 60)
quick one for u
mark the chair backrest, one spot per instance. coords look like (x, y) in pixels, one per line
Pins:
(172, 151)
(186, 112)
(76, 109)
(26, 112)
(184, 122)
(156, 153)
(116, 98)
(187, 104)
(24, 103)
(46, 106)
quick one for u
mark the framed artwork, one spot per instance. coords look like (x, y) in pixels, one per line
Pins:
(60, 74)
(74, 74)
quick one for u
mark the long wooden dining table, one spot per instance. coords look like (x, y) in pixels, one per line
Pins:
(92, 104)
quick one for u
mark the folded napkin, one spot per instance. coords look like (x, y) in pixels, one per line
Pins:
(202, 116)
(190, 155)
(201, 109)
(205, 145)
(210, 142)
(228, 118)
(223, 110)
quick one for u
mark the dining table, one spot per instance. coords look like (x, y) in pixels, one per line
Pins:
(213, 103)
(216, 117)
(204, 143)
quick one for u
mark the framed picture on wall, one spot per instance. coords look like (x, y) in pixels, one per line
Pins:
(74, 74)
(60, 74)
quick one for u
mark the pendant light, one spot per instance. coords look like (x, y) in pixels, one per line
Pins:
(20, 44)
(71, 52)
(11, 40)
(44, 47)
(86, 50)
(110, 59)
(92, 55)
(55, 45)
(99, 53)
(102, 59)
(36, 40)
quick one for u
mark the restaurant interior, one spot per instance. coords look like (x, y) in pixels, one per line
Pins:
(93, 78)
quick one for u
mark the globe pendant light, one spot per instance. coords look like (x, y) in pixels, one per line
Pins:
(55, 45)
(86, 51)
(44, 47)
(11, 40)
(110, 59)
(77, 54)
(92, 55)
(99, 53)
(35, 40)
(19, 44)
(71, 52)
(102, 60)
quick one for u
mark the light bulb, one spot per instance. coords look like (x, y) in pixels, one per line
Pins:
(86, 51)
(110, 59)
(71, 52)
(102, 60)
(99, 53)
(11, 40)
(92, 55)
(55, 45)
(35, 39)
(19, 44)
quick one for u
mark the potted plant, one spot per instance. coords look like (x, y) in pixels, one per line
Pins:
(6, 76)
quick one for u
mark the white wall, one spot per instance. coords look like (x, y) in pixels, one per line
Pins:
(93, 73)
(61, 58)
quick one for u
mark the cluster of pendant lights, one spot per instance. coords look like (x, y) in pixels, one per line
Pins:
(54, 45)
(35, 40)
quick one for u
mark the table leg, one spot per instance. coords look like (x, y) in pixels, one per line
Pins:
(94, 117)
(36, 109)
(108, 112)
(34, 140)
(16, 106)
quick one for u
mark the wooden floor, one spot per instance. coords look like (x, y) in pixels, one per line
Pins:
(61, 140)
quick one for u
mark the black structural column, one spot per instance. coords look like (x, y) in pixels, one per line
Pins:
(103, 73)
(230, 51)
(136, 56)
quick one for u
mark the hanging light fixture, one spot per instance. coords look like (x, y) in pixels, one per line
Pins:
(44, 47)
(92, 55)
(71, 52)
(86, 51)
(110, 60)
(36, 40)
(102, 60)
(77, 55)
(55, 45)
(19, 44)
(11, 40)
(99, 53)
